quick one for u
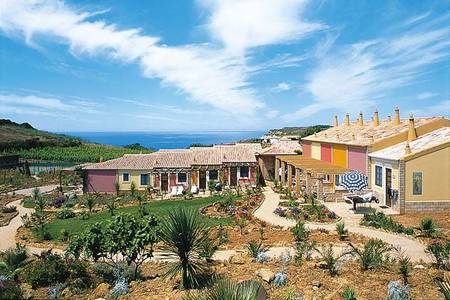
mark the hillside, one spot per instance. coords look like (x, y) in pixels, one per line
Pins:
(31, 143)
(297, 131)
(23, 136)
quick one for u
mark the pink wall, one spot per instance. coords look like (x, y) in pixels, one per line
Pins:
(102, 181)
(306, 146)
(357, 159)
(325, 152)
(173, 179)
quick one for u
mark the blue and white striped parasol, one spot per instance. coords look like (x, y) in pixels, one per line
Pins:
(353, 181)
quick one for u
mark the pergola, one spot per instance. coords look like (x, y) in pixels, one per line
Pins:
(307, 168)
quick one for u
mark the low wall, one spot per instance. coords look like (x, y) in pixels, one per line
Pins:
(427, 206)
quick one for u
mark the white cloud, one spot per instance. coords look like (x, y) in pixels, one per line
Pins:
(272, 114)
(207, 75)
(357, 76)
(439, 109)
(426, 95)
(243, 24)
(282, 86)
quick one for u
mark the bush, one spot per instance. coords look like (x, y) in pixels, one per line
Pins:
(110, 273)
(428, 227)
(207, 248)
(9, 289)
(332, 261)
(48, 269)
(54, 292)
(120, 288)
(8, 209)
(440, 250)
(380, 220)
(64, 233)
(372, 255)
(254, 248)
(222, 236)
(280, 279)
(398, 292)
(14, 257)
(65, 213)
(300, 232)
(349, 294)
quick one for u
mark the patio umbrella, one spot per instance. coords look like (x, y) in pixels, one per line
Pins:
(353, 181)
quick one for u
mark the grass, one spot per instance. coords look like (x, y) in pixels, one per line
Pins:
(158, 208)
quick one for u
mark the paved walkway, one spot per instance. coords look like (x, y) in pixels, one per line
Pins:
(413, 248)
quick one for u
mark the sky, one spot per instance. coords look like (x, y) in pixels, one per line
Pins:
(220, 65)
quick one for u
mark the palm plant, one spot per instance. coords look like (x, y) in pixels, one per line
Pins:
(184, 234)
(341, 230)
(332, 261)
(428, 227)
(404, 268)
(224, 288)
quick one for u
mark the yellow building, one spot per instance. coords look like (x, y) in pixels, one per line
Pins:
(414, 176)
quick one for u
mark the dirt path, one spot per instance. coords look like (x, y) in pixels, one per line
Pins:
(414, 249)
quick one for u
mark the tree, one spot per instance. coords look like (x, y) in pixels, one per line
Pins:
(127, 236)
(117, 187)
(184, 233)
(133, 188)
(211, 186)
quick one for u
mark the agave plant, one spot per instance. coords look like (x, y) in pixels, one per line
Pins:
(224, 288)
(184, 234)
(444, 285)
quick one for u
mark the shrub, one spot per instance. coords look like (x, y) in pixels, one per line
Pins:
(440, 250)
(241, 222)
(290, 294)
(120, 288)
(444, 285)
(111, 273)
(372, 255)
(380, 220)
(224, 288)
(54, 292)
(428, 227)
(349, 294)
(398, 292)
(8, 209)
(254, 248)
(14, 257)
(341, 231)
(59, 201)
(332, 261)
(64, 233)
(9, 289)
(280, 279)
(304, 251)
(404, 268)
(207, 248)
(222, 236)
(262, 258)
(300, 232)
(65, 213)
(48, 269)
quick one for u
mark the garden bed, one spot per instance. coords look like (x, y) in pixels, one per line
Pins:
(234, 206)
(308, 213)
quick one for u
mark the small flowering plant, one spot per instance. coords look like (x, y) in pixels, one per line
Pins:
(59, 201)
(280, 211)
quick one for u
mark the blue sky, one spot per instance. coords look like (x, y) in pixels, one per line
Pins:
(220, 65)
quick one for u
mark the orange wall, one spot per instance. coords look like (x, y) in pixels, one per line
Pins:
(340, 155)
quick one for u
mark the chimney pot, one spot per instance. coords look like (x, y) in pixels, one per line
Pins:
(376, 119)
(389, 118)
(336, 123)
(397, 116)
(360, 119)
(412, 135)
(347, 119)
(407, 148)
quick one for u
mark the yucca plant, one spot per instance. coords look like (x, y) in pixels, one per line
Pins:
(404, 268)
(372, 255)
(254, 248)
(341, 231)
(444, 285)
(349, 294)
(224, 288)
(184, 234)
(332, 261)
(428, 227)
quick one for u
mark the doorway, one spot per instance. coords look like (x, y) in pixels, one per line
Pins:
(388, 187)
(202, 179)
(233, 176)
(164, 182)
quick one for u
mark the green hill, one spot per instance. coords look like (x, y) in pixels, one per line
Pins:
(297, 131)
(31, 143)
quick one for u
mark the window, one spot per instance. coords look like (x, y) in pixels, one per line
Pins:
(144, 179)
(182, 177)
(243, 172)
(213, 175)
(125, 177)
(378, 175)
(417, 183)
(337, 180)
(327, 178)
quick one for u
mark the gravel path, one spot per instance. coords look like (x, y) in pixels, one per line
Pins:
(413, 248)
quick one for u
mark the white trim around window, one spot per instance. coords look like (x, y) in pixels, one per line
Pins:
(148, 179)
(239, 172)
(127, 175)
(185, 179)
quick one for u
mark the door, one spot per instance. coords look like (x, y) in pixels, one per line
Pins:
(233, 176)
(202, 179)
(388, 187)
(164, 182)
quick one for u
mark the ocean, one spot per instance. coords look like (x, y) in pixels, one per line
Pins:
(166, 140)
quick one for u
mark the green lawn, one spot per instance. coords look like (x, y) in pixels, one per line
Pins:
(158, 208)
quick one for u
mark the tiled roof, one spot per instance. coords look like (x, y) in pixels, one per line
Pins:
(282, 147)
(356, 135)
(183, 158)
(424, 142)
(128, 161)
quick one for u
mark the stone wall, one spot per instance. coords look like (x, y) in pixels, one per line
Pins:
(427, 206)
